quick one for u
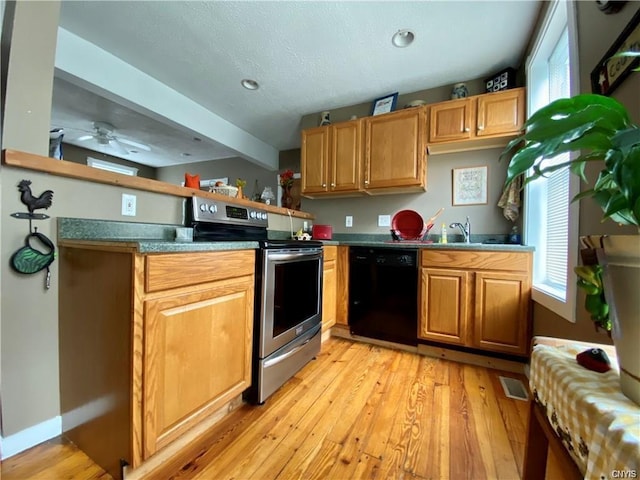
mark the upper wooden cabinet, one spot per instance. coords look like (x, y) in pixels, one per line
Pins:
(375, 155)
(331, 159)
(481, 121)
(395, 153)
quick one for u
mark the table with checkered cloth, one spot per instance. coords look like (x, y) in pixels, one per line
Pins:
(598, 425)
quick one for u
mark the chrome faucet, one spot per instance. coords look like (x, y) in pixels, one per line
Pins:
(465, 229)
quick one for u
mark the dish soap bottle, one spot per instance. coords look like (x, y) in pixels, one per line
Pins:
(443, 234)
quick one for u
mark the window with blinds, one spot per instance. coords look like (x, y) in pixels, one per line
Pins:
(548, 214)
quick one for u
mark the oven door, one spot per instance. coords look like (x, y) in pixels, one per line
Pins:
(291, 296)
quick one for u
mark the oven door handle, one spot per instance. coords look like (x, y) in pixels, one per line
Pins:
(294, 256)
(293, 351)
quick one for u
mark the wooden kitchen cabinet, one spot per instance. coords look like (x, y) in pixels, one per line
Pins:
(476, 299)
(342, 287)
(166, 338)
(331, 159)
(329, 287)
(335, 285)
(445, 305)
(481, 121)
(395, 153)
(375, 155)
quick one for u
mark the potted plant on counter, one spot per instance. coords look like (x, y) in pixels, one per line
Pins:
(596, 128)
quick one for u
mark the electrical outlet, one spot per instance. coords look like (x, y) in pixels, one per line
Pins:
(348, 221)
(128, 205)
(384, 220)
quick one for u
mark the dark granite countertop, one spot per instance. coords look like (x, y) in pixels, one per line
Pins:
(160, 238)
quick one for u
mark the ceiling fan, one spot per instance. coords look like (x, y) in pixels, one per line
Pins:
(104, 135)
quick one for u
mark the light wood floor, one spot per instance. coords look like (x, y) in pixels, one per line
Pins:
(357, 412)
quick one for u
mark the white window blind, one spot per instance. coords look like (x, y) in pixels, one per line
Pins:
(550, 219)
(557, 194)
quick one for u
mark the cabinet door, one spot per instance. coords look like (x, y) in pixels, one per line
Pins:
(314, 160)
(197, 357)
(345, 156)
(501, 312)
(444, 305)
(450, 120)
(342, 286)
(329, 286)
(395, 153)
(500, 113)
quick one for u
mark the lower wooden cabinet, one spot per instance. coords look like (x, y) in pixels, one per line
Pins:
(335, 287)
(476, 299)
(150, 345)
(329, 287)
(445, 304)
(197, 357)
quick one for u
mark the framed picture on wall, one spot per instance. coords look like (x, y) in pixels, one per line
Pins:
(470, 185)
(611, 72)
(384, 104)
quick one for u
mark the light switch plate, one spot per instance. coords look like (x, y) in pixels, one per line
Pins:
(128, 205)
(348, 221)
(384, 220)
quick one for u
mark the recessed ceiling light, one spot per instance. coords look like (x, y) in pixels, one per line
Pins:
(402, 38)
(133, 151)
(249, 84)
(185, 154)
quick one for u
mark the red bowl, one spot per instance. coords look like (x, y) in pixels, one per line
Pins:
(408, 225)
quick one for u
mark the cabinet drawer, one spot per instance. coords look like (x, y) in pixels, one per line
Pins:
(330, 253)
(174, 270)
(512, 261)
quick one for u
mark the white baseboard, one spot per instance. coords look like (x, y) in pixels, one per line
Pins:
(30, 437)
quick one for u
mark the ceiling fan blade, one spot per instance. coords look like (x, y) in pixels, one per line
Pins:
(140, 146)
(84, 138)
(117, 146)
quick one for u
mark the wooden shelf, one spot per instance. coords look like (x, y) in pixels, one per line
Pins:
(30, 161)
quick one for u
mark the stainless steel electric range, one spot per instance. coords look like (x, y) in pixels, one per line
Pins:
(288, 301)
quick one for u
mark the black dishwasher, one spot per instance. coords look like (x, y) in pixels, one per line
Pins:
(383, 294)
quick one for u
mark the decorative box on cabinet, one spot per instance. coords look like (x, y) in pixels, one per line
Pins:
(481, 121)
(165, 338)
(331, 159)
(476, 299)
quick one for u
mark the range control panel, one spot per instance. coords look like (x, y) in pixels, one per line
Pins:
(216, 211)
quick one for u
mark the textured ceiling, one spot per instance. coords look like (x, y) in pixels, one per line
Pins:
(307, 56)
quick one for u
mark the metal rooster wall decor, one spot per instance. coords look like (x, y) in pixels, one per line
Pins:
(28, 259)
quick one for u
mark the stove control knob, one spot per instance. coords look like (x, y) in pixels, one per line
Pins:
(213, 208)
(263, 215)
(253, 214)
(203, 207)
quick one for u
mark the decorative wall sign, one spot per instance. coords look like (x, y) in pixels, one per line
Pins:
(470, 185)
(28, 259)
(611, 72)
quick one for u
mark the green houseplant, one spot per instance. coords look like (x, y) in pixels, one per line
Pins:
(596, 128)
(599, 129)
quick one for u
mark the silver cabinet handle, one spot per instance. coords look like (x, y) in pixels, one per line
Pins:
(333, 184)
(366, 182)
(480, 127)
(466, 129)
(324, 185)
